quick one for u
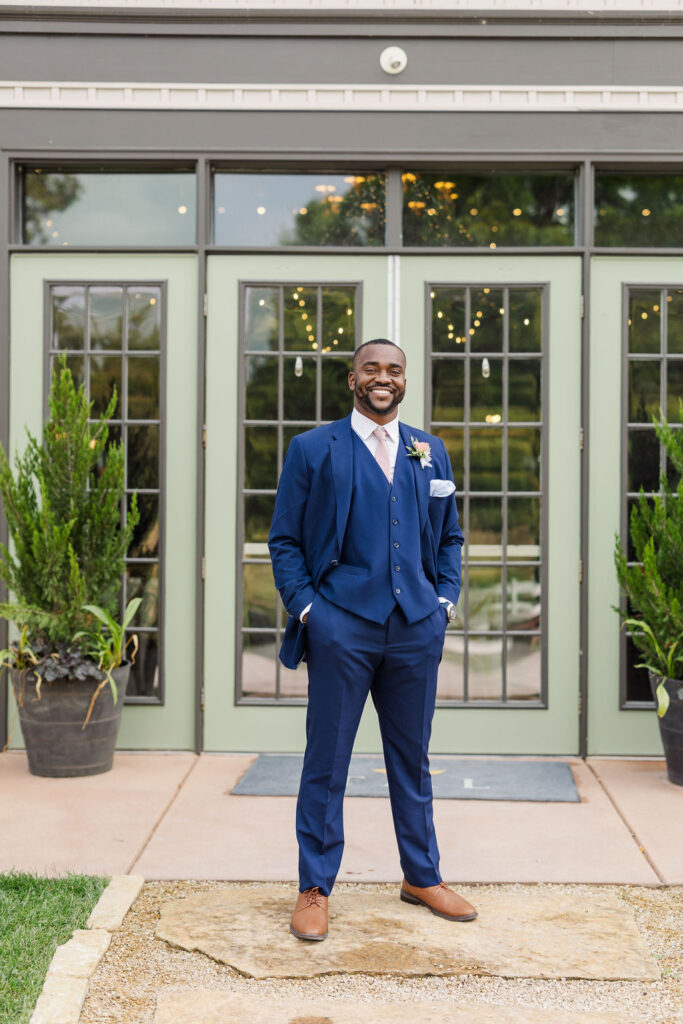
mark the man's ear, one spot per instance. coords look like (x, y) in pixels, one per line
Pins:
(351, 380)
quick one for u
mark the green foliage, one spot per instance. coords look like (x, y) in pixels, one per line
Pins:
(63, 508)
(655, 587)
(109, 648)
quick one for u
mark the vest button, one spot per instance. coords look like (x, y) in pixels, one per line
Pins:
(397, 568)
(395, 543)
(395, 522)
(394, 498)
(398, 591)
(334, 562)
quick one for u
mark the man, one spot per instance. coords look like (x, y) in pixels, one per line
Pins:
(366, 551)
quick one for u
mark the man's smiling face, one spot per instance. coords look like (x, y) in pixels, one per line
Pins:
(378, 381)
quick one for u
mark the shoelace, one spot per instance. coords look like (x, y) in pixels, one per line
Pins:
(313, 896)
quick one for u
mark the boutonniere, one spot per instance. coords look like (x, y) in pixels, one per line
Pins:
(421, 450)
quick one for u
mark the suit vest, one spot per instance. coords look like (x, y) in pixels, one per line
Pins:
(380, 564)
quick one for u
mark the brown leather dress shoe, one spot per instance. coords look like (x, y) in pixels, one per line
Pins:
(309, 919)
(441, 900)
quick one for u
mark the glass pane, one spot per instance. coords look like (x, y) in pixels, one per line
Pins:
(523, 597)
(113, 437)
(485, 667)
(486, 320)
(260, 596)
(261, 397)
(258, 515)
(643, 460)
(144, 673)
(637, 680)
(674, 333)
(68, 316)
(144, 318)
(524, 395)
(486, 390)
(524, 528)
(259, 655)
(524, 459)
(143, 388)
(448, 389)
(287, 434)
(488, 209)
(674, 389)
(486, 459)
(454, 440)
(299, 377)
(526, 320)
(337, 398)
(145, 541)
(106, 318)
(643, 390)
(142, 580)
(483, 532)
(301, 325)
(634, 209)
(484, 593)
(523, 668)
(108, 208)
(261, 319)
(644, 320)
(143, 457)
(105, 375)
(299, 209)
(260, 457)
(452, 668)
(294, 683)
(75, 364)
(448, 319)
(339, 326)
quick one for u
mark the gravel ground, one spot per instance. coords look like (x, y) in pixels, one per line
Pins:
(137, 966)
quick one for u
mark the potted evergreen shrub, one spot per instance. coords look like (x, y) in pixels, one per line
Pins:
(654, 591)
(68, 669)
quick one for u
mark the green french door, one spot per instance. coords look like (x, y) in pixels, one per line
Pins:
(128, 320)
(493, 348)
(636, 368)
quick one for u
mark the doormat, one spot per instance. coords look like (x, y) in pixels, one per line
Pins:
(452, 778)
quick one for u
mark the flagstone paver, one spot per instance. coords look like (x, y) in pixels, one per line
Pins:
(211, 1007)
(115, 902)
(533, 934)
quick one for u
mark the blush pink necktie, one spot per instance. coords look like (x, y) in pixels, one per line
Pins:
(382, 451)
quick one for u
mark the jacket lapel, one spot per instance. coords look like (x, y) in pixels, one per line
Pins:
(341, 458)
(421, 478)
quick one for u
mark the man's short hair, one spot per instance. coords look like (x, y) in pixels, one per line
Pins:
(376, 341)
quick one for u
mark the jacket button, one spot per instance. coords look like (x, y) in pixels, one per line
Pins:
(398, 591)
(395, 543)
(395, 522)
(334, 562)
(397, 568)
(394, 498)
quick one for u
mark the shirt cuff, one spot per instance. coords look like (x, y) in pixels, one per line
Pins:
(444, 600)
(307, 609)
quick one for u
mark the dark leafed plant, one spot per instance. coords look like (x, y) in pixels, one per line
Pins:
(654, 588)
(63, 509)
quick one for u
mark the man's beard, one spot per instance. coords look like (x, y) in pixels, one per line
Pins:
(365, 398)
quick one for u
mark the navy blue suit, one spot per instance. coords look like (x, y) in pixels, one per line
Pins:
(373, 557)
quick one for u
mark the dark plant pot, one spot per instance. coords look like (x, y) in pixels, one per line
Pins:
(56, 744)
(671, 726)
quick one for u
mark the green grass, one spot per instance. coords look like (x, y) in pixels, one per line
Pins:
(37, 915)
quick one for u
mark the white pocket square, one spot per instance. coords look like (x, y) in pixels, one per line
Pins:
(441, 488)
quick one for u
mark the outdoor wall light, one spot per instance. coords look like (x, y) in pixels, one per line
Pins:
(393, 60)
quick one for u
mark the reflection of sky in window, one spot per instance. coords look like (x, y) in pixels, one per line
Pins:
(240, 197)
(136, 209)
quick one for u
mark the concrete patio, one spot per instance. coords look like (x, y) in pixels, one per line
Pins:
(171, 816)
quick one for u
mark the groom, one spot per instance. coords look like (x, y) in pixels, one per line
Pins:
(366, 552)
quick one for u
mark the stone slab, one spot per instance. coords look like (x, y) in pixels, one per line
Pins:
(209, 834)
(453, 778)
(652, 806)
(212, 1007)
(80, 956)
(530, 934)
(61, 1000)
(115, 902)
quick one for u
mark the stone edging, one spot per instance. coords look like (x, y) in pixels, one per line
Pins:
(74, 962)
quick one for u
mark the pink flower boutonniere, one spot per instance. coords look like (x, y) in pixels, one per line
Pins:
(421, 450)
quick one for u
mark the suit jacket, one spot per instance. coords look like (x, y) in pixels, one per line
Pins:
(311, 511)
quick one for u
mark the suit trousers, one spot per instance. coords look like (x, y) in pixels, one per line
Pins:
(349, 656)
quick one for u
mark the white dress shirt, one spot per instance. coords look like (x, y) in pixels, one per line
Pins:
(365, 428)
